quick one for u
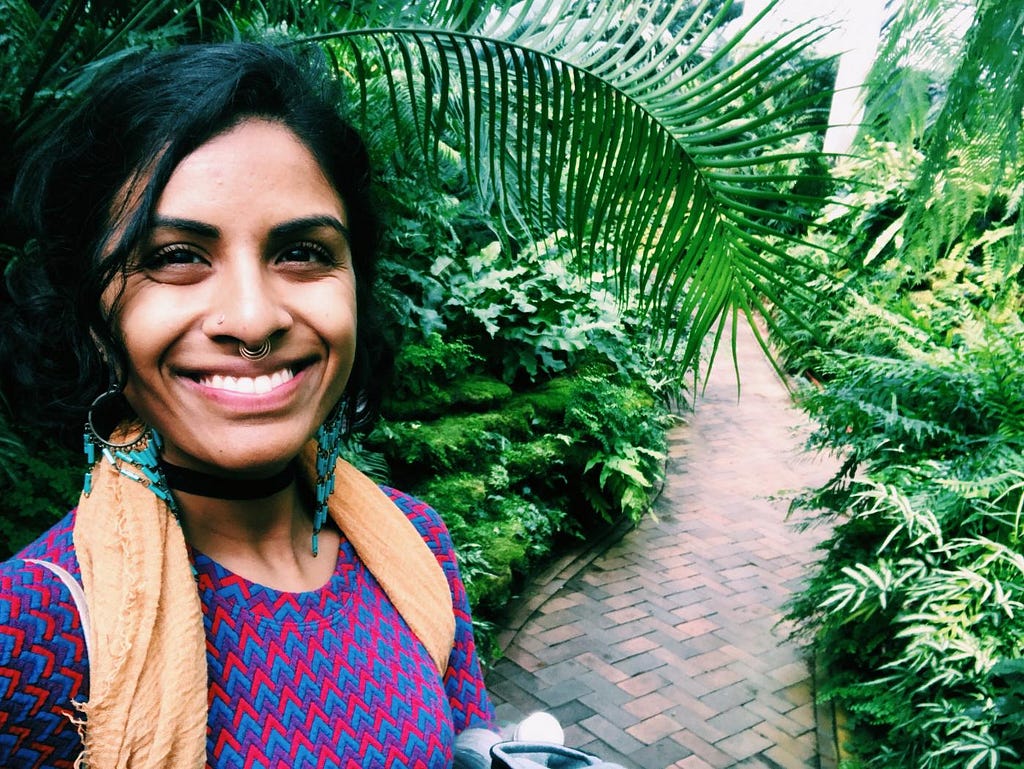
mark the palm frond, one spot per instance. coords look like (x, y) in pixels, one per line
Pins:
(51, 53)
(630, 124)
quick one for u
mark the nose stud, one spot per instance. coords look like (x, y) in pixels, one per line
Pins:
(255, 353)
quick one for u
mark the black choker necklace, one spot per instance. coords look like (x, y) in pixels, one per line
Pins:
(218, 487)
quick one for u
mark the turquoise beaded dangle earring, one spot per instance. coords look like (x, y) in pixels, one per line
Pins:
(137, 458)
(328, 448)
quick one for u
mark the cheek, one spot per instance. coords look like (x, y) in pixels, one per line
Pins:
(338, 327)
(146, 330)
(337, 316)
(343, 343)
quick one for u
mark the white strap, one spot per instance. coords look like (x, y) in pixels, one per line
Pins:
(77, 593)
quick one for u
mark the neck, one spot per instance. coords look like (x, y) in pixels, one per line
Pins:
(256, 523)
(266, 540)
(202, 484)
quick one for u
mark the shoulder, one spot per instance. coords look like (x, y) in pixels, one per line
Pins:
(21, 577)
(425, 518)
(35, 605)
(463, 680)
(434, 532)
(43, 666)
(55, 545)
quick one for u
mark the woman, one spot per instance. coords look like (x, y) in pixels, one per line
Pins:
(204, 242)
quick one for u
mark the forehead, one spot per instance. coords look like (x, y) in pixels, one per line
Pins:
(257, 162)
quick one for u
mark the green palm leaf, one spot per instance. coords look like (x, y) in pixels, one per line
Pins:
(50, 51)
(618, 122)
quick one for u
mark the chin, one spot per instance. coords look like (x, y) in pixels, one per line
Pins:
(242, 457)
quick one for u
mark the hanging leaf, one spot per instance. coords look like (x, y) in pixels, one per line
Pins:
(653, 128)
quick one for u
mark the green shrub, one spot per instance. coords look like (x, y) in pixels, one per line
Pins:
(921, 592)
(619, 434)
(540, 312)
(38, 488)
(916, 353)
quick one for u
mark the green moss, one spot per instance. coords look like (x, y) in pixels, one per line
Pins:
(549, 401)
(506, 557)
(456, 441)
(478, 392)
(461, 494)
(426, 370)
(475, 392)
(429, 404)
(594, 363)
(506, 544)
(421, 366)
(537, 458)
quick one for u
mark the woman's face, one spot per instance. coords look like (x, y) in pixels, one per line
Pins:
(248, 243)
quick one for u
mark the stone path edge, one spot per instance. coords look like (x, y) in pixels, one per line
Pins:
(542, 586)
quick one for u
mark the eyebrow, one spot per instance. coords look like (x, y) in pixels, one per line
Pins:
(297, 226)
(277, 232)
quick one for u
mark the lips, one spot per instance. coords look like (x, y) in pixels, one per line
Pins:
(246, 384)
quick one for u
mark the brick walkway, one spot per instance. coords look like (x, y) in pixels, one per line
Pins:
(661, 648)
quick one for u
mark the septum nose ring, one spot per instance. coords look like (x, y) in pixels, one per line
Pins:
(255, 353)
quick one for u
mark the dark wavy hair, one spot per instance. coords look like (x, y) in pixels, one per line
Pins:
(133, 127)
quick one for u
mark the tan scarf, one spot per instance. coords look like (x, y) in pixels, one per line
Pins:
(147, 706)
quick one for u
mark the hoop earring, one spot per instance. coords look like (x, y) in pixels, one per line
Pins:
(137, 459)
(255, 353)
(93, 435)
(328, 440)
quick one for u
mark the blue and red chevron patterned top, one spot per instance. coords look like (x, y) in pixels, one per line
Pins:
(328, 678)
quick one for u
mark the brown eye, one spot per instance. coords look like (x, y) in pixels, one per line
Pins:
(171, 255)
(307, 251)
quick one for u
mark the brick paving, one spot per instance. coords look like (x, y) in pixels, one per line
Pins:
(662, 647)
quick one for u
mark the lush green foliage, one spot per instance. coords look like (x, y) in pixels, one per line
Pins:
(922, 592)
(526, 406)
(39, 485)
(916, 611)
(565, 187)
(660, 155)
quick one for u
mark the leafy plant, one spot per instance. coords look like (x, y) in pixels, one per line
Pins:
(623, 438)
(610, 121)
(536, 312)
(41, 483)
(915, 611)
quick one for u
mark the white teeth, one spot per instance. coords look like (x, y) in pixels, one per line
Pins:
(247, 384)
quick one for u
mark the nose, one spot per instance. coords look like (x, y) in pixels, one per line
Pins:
(247, 303)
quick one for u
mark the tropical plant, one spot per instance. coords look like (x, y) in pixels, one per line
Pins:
(623, 124)
(921, 593)
(915, 610)
(966, 116)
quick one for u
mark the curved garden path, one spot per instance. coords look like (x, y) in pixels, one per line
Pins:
(662, 647)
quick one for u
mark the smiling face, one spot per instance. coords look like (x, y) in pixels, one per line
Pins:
(248, 243)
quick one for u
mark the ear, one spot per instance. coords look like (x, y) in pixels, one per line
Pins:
(109, 357)
(100, 346)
